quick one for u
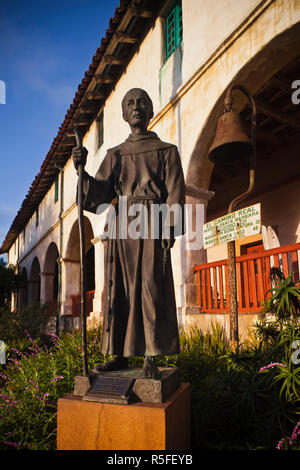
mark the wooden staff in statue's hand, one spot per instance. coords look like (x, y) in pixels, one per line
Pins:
(79, 155)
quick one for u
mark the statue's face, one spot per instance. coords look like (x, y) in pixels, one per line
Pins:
(137, 109)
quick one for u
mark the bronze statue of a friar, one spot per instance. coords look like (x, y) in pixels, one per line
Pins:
(140, 310)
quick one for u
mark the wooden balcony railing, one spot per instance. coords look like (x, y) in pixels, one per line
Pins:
(253, 279)
(76, 299)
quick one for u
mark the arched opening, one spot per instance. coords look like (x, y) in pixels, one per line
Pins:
(276, 189)
(281, 51)
(23, 290)
(50, 278)
(35, 282)
(277, 147)
(90, 269)
(72, 268)
(268, 76)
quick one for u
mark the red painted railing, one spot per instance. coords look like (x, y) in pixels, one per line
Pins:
(76, 299)
(51, 307)
(253, 279)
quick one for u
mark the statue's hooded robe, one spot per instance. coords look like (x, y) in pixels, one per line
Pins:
(140, 310)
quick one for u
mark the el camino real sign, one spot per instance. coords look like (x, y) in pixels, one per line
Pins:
(239, 224)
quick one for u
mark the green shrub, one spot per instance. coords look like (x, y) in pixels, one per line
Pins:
(240, 399)
(13, 325)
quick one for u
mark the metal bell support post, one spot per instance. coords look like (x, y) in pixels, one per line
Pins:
(231, 144)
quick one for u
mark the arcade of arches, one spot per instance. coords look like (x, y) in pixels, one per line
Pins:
(43, 286)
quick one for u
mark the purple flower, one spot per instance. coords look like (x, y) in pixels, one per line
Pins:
(16, 444)
(43, 397)
(52, 403)
(19, 353)
(56, 378)
(53, 338)
(13, 359)
(12, 404)
(5, 397)
(34, 384)
(32, 341)
(4, 376)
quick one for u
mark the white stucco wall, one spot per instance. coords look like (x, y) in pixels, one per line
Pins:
(206, 25)
(215, 21)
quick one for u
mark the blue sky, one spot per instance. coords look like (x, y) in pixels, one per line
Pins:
(46, 47)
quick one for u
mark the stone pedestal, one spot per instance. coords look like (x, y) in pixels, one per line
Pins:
(85, 425)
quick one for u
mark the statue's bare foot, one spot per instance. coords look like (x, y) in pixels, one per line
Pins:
(150, 369)
(117, 363)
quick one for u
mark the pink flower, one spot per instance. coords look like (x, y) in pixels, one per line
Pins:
(295, 434)
(10, 443)
(278, 447)
(270, 366)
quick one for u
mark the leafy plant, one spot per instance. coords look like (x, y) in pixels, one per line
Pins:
(240, 400)
(9, 281)
(14, 324)
(284, 301)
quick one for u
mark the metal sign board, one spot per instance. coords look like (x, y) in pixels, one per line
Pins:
(239, 224)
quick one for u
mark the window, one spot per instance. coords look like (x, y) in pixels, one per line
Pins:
(24, 235)
(174, 28)
(56, 190)
(99, 131)
(37, 217)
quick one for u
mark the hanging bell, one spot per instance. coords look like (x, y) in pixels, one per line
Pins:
(231, 143)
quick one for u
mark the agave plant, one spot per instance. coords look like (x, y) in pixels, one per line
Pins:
(284, 301)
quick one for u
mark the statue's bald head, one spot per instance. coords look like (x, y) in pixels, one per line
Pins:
(137, 93)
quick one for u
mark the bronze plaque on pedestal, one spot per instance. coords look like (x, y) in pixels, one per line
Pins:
(110, 389)
(129, 386)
